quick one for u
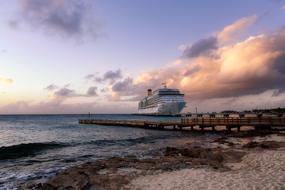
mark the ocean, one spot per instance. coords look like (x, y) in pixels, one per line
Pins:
(35, 147)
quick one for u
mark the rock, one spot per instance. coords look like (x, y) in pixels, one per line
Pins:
(107, 174)
(264, 145)
(253, 133)
(223, 140)
(196, 152)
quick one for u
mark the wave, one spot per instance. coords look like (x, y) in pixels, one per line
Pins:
(25, 149)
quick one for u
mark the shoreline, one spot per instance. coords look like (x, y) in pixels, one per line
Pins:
(223, 155)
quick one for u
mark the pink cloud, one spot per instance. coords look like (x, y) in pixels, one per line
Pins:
(239, 69)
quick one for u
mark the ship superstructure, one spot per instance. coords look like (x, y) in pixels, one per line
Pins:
(163, 101)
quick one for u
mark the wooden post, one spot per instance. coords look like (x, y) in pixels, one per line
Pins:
(213, 128)
(228, 128)
(238, 128)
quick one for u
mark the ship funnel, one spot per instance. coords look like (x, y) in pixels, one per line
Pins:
(149, 92)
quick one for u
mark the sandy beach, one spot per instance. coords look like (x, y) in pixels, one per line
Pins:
(258, 170)
(261, 168)
(229, 162)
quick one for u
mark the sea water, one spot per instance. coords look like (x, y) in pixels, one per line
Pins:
(35, 147)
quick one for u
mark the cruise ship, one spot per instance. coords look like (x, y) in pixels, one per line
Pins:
(163, 101)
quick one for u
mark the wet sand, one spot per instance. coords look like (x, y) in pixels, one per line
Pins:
(235, 161)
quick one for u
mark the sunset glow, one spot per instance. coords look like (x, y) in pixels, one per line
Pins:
(62, 56)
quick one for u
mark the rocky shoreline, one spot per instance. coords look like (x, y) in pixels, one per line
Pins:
(119, 173)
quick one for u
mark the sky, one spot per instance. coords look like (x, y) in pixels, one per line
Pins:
(100, 56)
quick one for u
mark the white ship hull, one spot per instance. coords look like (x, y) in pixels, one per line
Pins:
(169, 108)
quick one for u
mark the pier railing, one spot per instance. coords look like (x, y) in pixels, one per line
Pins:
(234, 121)
(201, 122)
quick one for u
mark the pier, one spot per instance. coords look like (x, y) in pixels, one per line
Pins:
(193, 123)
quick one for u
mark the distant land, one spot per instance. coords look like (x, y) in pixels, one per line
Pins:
(272, 110)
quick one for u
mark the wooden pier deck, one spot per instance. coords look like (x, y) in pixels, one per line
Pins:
(235, 122)
(190, 122)
(129, 123)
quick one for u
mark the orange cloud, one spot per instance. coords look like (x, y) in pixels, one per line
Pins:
(251, 66)
(247, 67)
(235, 28)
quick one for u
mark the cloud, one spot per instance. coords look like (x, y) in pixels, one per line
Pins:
(240, 69)
(57, 103)
(243, 74)
(206, 46)
(65, 18)
(201, 47)
(235, 29)
(125, 89)
(262, 100)
(110, 76)
(248, 67)
(92, 91)
(89, 77)
(283, 7)
(65, 92)
(51, 87)
(48, 107)
(123, 86)
(192, 70)
(4, 80)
